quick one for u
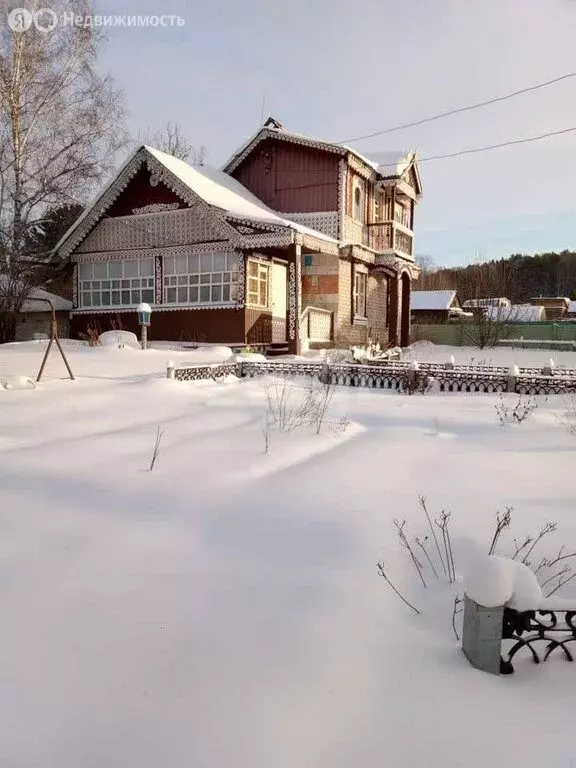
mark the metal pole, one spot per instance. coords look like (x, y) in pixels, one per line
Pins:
(144, 336)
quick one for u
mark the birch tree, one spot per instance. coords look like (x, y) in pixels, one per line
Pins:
(61, 123)
(171, 140)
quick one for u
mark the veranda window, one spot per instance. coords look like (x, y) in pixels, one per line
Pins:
(201, 278)
(117, 283)
(360, 280)
(258, 281)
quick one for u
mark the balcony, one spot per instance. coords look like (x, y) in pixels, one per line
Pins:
(390, 236)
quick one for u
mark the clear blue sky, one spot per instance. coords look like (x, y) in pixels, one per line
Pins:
(339, 69)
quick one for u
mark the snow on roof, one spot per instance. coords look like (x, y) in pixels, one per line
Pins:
(422, 300)
(216, 188)
(516, 313)
(59, 304)
(387, 164)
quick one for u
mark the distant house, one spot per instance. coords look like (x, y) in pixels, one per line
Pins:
(35, 317)
(500, 301)
(556, 306)
(435, 306)
(517, 313)
(572, 310)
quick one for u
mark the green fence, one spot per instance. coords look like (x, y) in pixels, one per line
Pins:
(451, 333)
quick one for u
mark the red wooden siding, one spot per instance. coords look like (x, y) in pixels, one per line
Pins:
(139, 193)
(201, 325)
(291, 178)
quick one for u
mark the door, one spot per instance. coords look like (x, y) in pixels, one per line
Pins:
(279, 292)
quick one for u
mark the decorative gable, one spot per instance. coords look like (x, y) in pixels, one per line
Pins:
(145, 193)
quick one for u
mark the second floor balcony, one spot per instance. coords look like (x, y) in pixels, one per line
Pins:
(390, 236)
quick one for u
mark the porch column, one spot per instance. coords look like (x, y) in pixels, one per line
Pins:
(405, 314)
(294, 299)
(395, 321)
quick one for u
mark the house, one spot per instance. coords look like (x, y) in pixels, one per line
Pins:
(34, 320)
(517, 313)
(572, 311)
(499, 301)
(556, 306)
(294, 240)
(435, 306)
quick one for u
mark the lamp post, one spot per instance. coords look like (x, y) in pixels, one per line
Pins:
(144, 312)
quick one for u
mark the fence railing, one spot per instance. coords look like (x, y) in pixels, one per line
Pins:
(492, 638)
(394, 375)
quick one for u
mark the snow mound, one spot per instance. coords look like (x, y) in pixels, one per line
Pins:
(494, 580)
(17, 382)
(214, 354)
(119, 339)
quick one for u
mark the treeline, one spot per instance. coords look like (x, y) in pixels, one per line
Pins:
(518, 277)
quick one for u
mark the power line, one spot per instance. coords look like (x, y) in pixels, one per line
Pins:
(458, 110)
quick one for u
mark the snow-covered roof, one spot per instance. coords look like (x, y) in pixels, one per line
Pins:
(215, 187)
(33, 305)
(423, 300)
(388, 164)
(499, 301)
(517, 313)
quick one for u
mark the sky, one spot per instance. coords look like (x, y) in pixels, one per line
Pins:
(338, 70)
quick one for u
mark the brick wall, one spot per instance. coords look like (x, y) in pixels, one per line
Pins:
(347, 332)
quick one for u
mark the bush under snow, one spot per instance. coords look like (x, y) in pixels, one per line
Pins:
(494, 580)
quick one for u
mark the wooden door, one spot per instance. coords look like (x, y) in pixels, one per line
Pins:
(279, 302)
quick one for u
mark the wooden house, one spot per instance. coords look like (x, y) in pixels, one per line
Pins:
(295, 240)
(436, 307)
(556, 306)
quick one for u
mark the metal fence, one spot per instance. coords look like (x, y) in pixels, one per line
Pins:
(396, 375)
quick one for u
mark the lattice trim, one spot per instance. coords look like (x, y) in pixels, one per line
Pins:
(292, 301)
(75, 286)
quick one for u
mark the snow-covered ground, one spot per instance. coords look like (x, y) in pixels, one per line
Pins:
(225, 609)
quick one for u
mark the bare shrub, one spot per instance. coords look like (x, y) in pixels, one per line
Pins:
(92, 335)
(568, 417)
(515, 414)
(382, 572)
(289, 406)
(156, 448)
(416, 381)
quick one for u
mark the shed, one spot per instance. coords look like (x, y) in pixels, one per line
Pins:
(35, 317)
(556, 306)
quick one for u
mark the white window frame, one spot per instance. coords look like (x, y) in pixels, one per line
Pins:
(207, 278)
(358, 188)
(258, 284)
(115, 283)
(360, 295)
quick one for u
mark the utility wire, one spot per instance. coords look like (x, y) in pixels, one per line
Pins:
(458, 110)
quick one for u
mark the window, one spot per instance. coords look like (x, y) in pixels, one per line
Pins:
(201, 278)
(360, 279)
(402, 214)
(258, 284)
(116, 283)
(358, 200)
(378, 207)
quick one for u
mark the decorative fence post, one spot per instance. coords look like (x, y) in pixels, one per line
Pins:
(513, 374)
(170, 372)
(548, 370)
(482, 635)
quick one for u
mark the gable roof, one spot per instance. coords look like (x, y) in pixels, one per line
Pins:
(429, 300)
(211, 185)
(32, 303)
(387, 165)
